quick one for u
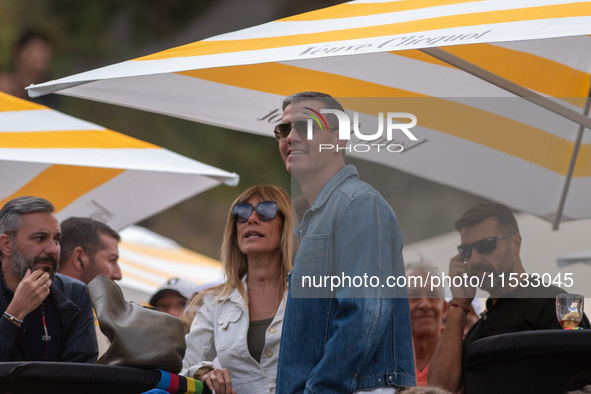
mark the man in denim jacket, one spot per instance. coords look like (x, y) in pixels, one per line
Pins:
(354, 335)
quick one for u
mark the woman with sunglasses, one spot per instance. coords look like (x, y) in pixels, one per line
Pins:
(240, 321)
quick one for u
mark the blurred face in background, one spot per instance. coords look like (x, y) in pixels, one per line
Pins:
(171, 302)
(426, 307)
(33, 60)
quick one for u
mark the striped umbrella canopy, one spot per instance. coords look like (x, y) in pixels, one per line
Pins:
(459, 66)
(148, 259)
(89, 171)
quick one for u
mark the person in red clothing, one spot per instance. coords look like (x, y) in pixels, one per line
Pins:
(427, 308)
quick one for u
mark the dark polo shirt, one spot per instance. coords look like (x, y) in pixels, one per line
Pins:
(518, 311)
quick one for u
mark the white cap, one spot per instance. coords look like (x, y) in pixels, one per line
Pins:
(182, 286)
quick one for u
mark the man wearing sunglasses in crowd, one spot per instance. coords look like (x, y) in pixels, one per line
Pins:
(346, 339)
(490, 245)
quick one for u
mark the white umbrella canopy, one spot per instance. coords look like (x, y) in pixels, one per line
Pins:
(89, 171)
(518, 154)
(148, 259)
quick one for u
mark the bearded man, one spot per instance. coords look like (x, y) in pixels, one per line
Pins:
(45, 316)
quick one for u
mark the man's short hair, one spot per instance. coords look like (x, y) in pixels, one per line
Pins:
(326, 99)
(83, 232)
(10, 214)
(480, 212)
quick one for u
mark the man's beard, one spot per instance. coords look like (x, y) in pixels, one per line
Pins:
(20, 263)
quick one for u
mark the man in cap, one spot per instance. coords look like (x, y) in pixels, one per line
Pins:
(172, 296)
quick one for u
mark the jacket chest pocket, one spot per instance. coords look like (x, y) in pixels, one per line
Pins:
(310, 266)
(227, 329)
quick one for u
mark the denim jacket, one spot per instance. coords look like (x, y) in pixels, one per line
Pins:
(352, 338)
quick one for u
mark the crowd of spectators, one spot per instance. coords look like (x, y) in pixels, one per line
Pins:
(258, 332)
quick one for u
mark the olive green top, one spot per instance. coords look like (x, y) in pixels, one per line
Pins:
(256, 337)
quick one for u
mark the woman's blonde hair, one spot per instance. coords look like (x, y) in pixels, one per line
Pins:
(234, 261)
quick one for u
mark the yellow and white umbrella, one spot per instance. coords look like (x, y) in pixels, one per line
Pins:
(89, 171)
(507, 151)
(148, 259)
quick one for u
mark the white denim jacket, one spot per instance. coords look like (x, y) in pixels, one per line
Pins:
(220, 330)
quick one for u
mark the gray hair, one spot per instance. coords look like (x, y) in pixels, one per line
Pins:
(426, 267)
(10, 214)
(422, 265)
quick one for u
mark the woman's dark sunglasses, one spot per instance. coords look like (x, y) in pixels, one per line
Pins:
(483, 246)
(266, 211)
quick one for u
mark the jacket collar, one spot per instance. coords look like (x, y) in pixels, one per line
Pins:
(338, 178)
(64, 308)
(235, 296)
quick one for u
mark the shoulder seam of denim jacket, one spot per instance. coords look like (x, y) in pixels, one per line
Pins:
(347, 172)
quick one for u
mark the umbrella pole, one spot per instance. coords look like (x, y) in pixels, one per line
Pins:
(582, 119)
(571, 167)
(509, 86)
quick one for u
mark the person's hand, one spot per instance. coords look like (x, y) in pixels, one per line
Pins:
(29, 294)
(463, 295)
(218, 380)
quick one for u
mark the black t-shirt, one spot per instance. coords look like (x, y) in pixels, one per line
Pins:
(518, 311)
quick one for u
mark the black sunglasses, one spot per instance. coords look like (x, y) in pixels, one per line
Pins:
(483, 246)
(266, 211)
(282, 130)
